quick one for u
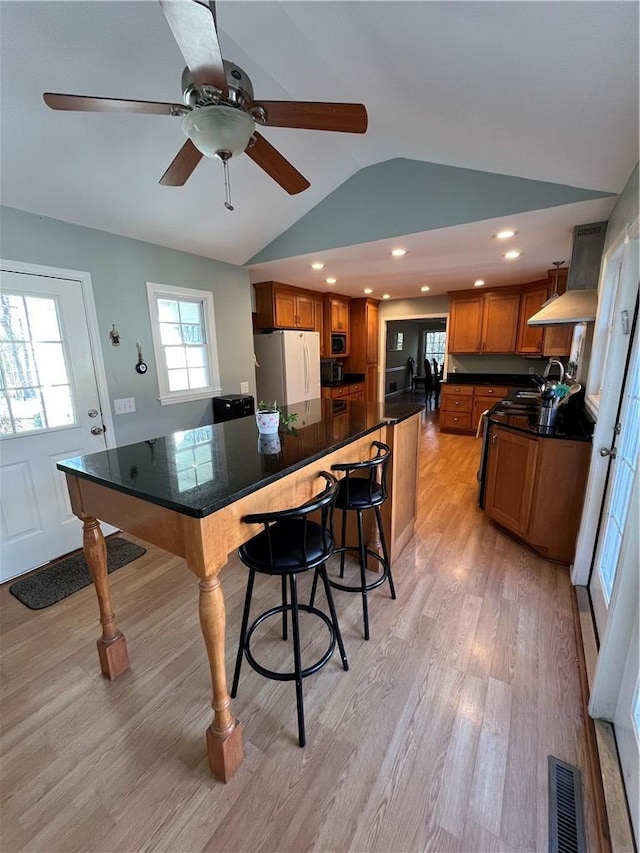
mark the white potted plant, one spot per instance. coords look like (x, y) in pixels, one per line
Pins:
(269, 416)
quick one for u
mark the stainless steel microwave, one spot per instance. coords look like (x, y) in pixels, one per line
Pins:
(338, 344)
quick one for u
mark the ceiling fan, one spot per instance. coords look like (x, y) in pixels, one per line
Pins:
(219, 113)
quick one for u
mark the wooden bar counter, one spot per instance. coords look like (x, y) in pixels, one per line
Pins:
(188, 492)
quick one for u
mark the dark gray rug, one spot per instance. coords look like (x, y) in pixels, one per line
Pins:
(57, 581)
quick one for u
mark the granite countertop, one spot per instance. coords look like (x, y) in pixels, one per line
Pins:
(349, 379)
(204, 468)
(511, 380)
(572, 423)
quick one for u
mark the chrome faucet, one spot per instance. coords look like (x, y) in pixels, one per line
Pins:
(550, 364)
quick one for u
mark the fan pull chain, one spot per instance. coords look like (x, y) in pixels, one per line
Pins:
(227, 185)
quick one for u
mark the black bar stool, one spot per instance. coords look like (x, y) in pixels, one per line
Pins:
(289, 544)
(363, 487)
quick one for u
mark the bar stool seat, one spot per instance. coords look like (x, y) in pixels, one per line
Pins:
(289, 544)
(363, 487)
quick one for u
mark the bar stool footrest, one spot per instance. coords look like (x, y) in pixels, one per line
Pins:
(289, 676)
(359, 588)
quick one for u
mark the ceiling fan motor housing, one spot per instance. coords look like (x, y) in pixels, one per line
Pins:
(240, 89)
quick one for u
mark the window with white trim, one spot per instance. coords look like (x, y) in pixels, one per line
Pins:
(184, 343)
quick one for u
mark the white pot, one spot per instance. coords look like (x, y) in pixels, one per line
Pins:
(268, 422)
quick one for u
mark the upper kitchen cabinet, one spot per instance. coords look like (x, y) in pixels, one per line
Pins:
(338, 314)
(484, 323)
(282, 306)
(541, 340)
(364, 333)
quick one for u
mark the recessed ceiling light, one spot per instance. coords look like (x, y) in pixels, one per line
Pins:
(317, 266)
(367, 290)
(504, 235)
(331, 280)
(386, 296)
(478, 283)
(425, 288)
(514, 253)
(398, 253)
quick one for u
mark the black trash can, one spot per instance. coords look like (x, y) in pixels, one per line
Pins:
(232, 406)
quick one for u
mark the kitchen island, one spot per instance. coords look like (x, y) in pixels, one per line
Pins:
(188, 492)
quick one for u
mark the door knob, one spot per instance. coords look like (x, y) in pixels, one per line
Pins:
(93, 413)
(96, 430)
(606, 451)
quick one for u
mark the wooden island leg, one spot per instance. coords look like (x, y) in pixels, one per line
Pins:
(112, 646)
(224, 735)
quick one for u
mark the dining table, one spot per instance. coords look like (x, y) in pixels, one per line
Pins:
(188, 492)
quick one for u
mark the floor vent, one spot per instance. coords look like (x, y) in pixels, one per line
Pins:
(566, 821)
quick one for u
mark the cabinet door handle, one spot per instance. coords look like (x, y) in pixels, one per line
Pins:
(494, 438)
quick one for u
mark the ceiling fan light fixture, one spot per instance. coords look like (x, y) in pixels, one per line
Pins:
(218, 128)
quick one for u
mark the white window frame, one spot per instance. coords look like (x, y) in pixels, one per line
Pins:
(167, 397)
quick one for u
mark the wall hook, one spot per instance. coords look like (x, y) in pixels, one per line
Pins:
(114, 334)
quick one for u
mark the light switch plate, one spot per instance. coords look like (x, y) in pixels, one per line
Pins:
(124, 406)
(244, 387)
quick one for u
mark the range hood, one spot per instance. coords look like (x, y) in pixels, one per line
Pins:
(580, 301)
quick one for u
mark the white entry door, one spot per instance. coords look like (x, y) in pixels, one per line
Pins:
(49, 406)
(624, 455)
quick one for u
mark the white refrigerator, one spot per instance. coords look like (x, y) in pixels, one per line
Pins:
(287, 366)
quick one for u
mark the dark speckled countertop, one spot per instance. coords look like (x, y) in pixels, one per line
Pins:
(511, 380)
(199, 470)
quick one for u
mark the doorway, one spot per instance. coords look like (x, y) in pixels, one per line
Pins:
(53, 405)
(395, 376)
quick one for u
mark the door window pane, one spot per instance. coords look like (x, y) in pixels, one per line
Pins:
(33, 366)
(43, 319)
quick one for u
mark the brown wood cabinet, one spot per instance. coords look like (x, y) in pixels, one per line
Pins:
(354, 391)
(282, 306)
(466, 323)
(318, 323)
(484, 396)
(461, 405)
(535, 488)
(456, 404)
(544, 341)
(484, 323)
(338, 314)
(363, 343)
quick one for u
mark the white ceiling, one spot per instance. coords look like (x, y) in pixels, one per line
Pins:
(541, 90)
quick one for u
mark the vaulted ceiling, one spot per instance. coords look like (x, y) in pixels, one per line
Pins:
(462, 97)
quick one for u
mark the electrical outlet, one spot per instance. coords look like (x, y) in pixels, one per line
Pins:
(532, 370)
(244, 387)
(124, 406)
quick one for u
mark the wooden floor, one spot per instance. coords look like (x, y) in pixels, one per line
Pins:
(436, 739)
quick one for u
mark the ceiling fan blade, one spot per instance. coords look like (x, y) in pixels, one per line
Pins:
(182, 166)
(276, 166)
(347, 118)
(85, 103)
(194, 28)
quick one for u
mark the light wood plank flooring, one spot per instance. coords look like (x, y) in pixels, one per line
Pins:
(436, 739)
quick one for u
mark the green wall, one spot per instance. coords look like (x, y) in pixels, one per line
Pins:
(119, 269)
(403, 196)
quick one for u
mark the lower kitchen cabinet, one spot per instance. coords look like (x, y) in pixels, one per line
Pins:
(354, 391)
(462, 405)
(535, 489)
